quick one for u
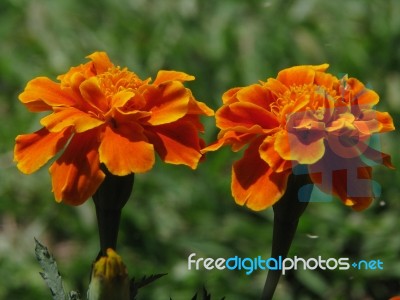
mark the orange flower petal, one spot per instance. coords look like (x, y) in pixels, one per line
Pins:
(367, 98)
(255, 94)
(276, 87)
(33, 150)
(93, 94)
(359, 94)
(176, 143)
(199, 108)
(66, 117)
(318, 68)
(325, 80)
(216, 145)
(298, 75)
(122, 116)
(121, 98)
(343, 121)
(167, 102)
(234, 138)
(354, 191)
(230, 96)
(385, 120)
(272, 157)
(254, 183)
(76, 175)
(125, 150)
(245, 114)
(76, 75)
(347, 178)
(165, 76)
(42, 94)
(305, 147)
(378, 157)
(101, 61)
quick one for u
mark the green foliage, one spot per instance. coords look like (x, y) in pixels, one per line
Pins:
(175, 211)
(51, 275)
(50, 272)
(135, 285)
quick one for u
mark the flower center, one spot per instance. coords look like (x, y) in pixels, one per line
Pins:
(116, 80)
(304, 102)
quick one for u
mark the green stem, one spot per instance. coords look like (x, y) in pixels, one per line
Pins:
(287, 212)
(109, 200)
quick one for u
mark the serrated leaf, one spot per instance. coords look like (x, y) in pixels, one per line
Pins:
(135, 286)
(206, 295)
(50, 275)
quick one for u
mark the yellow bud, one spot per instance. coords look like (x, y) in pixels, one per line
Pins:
(109, 278)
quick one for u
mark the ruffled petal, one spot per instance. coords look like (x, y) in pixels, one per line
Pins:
(355, 93)
(76, 175)
(272, 157)
(254, 183)
(42, 94)
(255, 94)
(33, 150)
(347, 178)
(101, 62)
(276, 87)
(325, 80)
(378, 157)
(121, 98)
(305, 147)
(165, 76)
(299, 75)
(176, 143)
(354, 190)
(236, 139)
(167, 102)
(245, 114)
(386, 122)
(76, 75)
(230, 95)
(125, 150)
(93, 94)
(199, 108)
(66, 117)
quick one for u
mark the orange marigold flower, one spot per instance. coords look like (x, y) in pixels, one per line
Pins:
(104, 114)
(308, 117)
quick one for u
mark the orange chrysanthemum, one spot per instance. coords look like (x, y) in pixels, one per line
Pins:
(104, 114)
(303, 117)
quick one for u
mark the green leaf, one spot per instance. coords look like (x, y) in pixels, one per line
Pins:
(50, 275)
(135, 286)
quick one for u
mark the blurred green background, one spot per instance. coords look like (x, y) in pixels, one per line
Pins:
(175, 211)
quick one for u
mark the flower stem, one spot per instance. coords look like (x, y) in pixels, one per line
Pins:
(287, 212)
(109, 200)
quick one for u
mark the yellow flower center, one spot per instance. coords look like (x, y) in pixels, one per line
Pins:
(299, 98)
(119, 86)
(116, 80)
